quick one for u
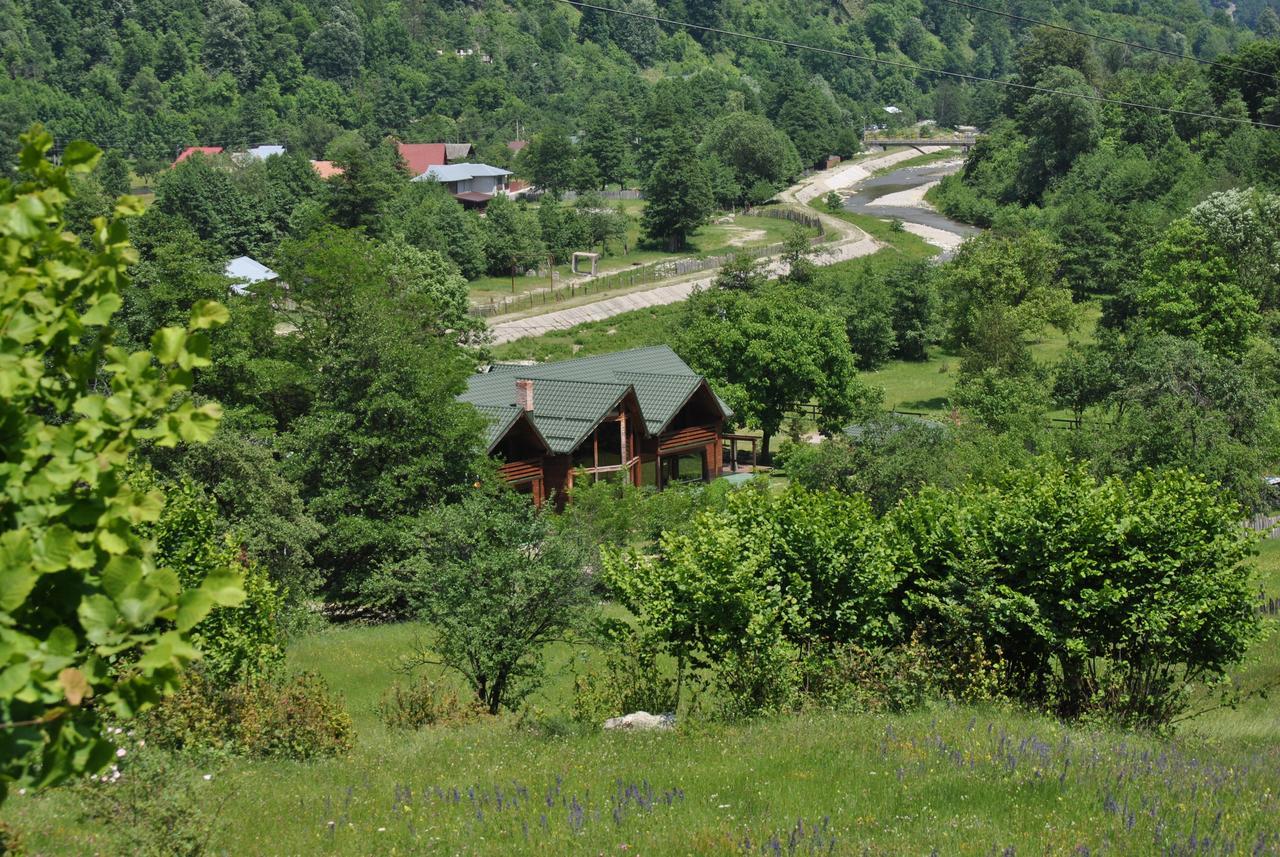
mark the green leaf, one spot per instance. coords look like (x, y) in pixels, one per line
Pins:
(98, 617)
(168, 344)
(169, 648)
(112, 543)
(225, 587)
(80, 153)
(54, 551)
(193, 606)
(100, 313)
(121, 573)
(16, 582)
(207, 314)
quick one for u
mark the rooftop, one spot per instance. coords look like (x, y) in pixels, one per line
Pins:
(571, 397)
(244, 271)
(420, 157)
(461, 172)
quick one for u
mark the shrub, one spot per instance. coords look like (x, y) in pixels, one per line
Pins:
(1112, 598)
(426, 703)
(264, 716)
(11, 841)
(631, 679)
(761, 679)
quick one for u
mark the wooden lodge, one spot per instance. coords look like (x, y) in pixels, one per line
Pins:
(639, 416)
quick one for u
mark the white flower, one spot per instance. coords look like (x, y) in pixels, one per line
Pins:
(121, 753)
(382, 830)
(208, 777)
(22, 791)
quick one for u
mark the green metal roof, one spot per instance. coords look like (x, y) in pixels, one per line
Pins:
(571, 397)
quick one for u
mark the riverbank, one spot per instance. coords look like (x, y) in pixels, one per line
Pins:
(900, 194)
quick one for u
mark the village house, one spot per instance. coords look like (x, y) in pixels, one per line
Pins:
(641, 416)
(471, 184)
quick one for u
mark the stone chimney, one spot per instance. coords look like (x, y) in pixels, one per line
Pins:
(524, 394)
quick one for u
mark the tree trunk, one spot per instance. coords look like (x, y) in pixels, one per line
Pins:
(765, 455)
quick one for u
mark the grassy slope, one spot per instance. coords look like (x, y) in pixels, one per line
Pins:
(958, 780)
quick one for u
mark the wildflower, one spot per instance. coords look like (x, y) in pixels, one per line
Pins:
(208, 777)
(121, 753)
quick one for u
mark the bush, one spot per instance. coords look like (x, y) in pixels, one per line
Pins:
(631, 679)
(426, 703)
(1109, 598)
(236, 642)
(265, 716)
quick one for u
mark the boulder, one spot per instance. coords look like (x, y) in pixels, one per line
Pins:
(642, 721)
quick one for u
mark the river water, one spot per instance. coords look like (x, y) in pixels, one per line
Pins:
(899, 194)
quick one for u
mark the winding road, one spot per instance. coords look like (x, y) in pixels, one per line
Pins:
(850, 243)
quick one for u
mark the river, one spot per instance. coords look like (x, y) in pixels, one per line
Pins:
(900, 193)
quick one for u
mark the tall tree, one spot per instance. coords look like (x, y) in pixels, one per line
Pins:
(678, 195)
(769, 352)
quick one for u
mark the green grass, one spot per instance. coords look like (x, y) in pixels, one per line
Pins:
(926, 386)
(955, 780)
(636, 329)
(912, 246)
(958, 781)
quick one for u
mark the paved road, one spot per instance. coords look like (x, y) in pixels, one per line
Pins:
(851, 244)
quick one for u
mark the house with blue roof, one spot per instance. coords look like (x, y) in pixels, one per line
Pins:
(471, 184)
(642, 417)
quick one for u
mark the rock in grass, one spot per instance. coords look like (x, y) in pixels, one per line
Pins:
(641, 721)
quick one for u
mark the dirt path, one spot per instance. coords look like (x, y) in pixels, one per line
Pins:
(850, 243)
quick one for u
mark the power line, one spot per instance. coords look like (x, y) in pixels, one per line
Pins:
(1036, 21)
(973, 78)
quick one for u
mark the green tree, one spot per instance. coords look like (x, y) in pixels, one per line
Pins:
(759, 155)
(548, 162)
(228, 39)
(677, 195)
(79, 586)
(767, 353)
(1059, 129)
(1189, 289)
(384, 436)
(371, 177)
(497, 583)
(428, 218)
(605, 140)
(113, 173)
(512, 238)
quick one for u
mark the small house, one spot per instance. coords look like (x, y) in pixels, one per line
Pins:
(471, 184)
(642, 417)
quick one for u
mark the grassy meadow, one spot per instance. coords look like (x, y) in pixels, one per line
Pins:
(946, 780)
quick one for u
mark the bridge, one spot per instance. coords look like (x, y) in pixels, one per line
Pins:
(921, 143)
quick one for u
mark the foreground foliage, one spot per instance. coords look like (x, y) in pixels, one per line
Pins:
(90, 625)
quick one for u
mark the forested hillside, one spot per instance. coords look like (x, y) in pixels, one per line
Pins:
(148, 77)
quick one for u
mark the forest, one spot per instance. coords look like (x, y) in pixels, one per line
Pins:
(257, 561)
